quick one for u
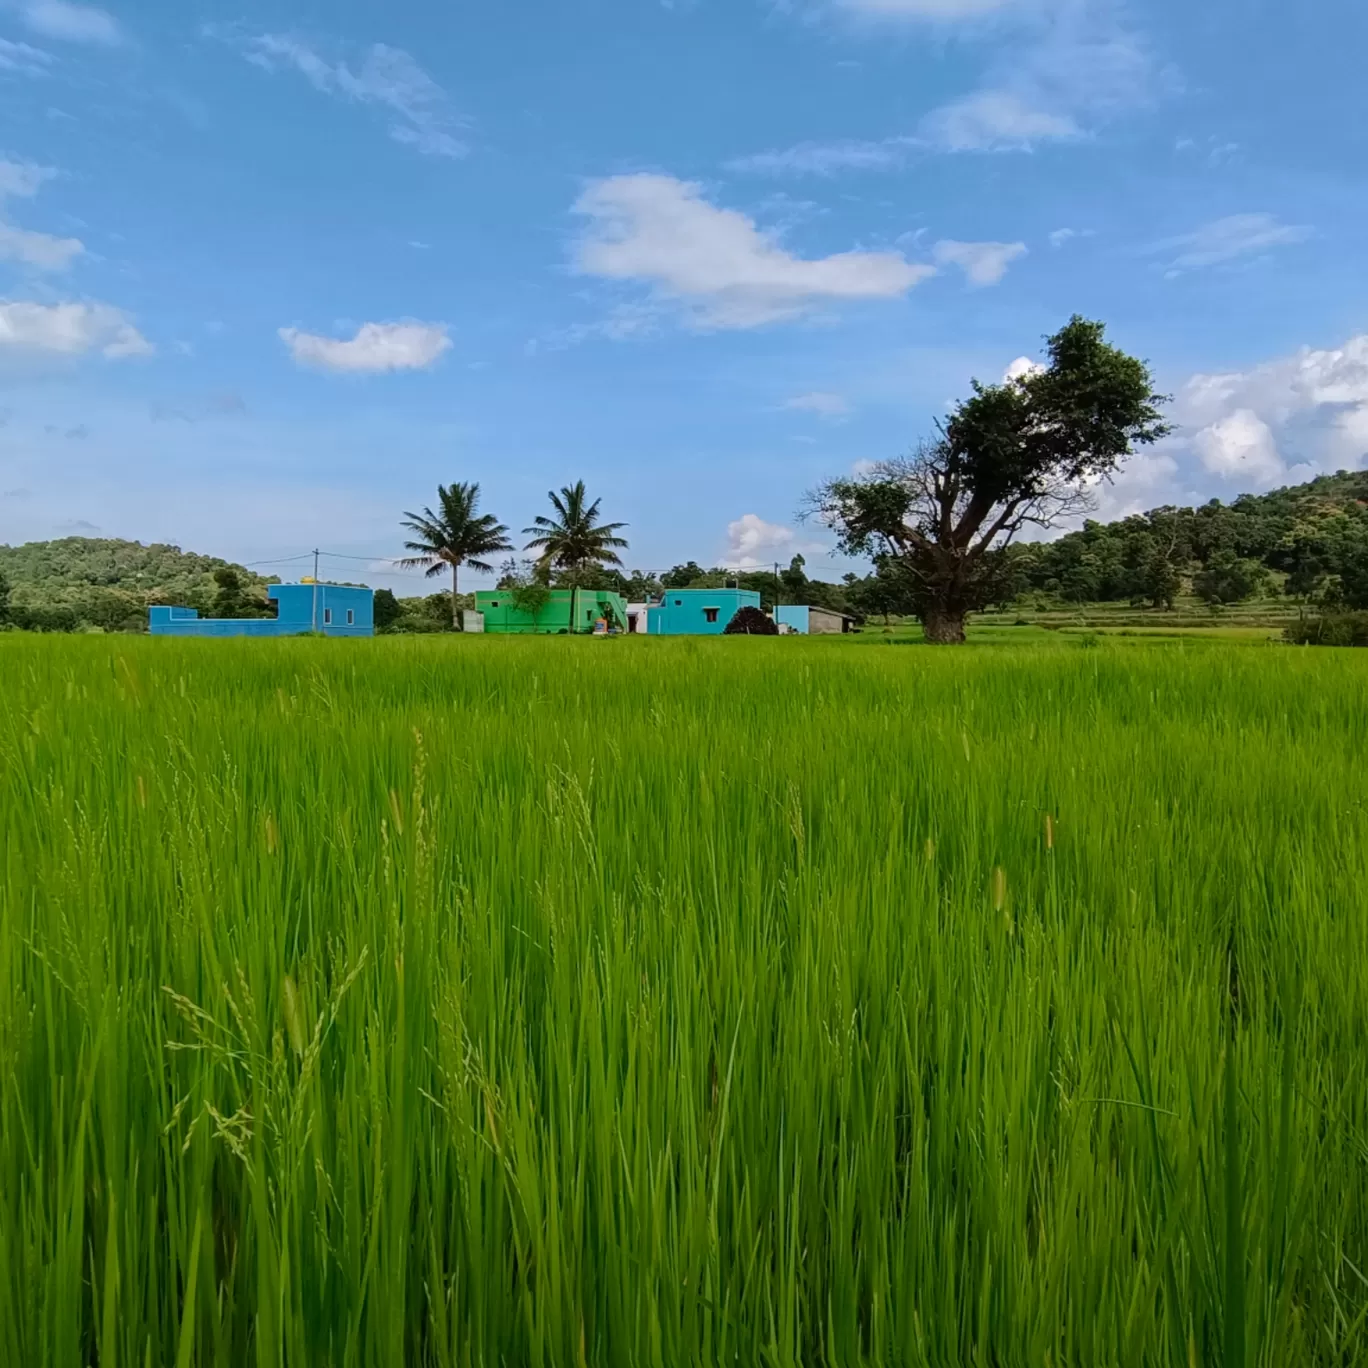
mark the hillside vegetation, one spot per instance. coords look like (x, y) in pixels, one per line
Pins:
(1308, 542)
(82, 582)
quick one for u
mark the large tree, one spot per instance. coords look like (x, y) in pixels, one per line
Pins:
(1014, 455)
(574, 540)
(453, 535)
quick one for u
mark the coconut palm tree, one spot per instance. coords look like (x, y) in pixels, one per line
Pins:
(454, 535)
(574, 539)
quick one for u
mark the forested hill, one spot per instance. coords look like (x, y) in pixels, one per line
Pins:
(105, 582)
(1310, 541)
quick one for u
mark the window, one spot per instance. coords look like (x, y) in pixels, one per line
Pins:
(351, 617)
(327, 617)
(679, 603)
(710, 614)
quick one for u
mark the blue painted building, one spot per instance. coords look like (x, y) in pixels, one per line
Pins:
(697, 612)
(332, 609)
(812, 621)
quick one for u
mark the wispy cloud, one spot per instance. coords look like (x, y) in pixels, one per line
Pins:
(69, 22)
(385, 77)
(820, 402)
(715, 265)
(983, 263)
(1081, 69)
(374, 349)
(23, 59)
(1064, 72)
(937, 10)
(998, 120)
(1234, 238)
(826, 159)
(41, 251)
(1062, 235)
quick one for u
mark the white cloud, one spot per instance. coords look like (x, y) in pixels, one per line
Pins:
(995, 121)
(22, 179)
(929, 9)
(753, 543)
(377, 347)
(1020, 369)
(1148, 480)
(23, 59)
(1062, 235)
(1229, 239)
(983, 263)
(1240, 447)
(825, 159)
(722, 269)
(1303, 413)
(39, 250)
(388, 77)
(69, 329)
(1083, 70)
(72, 23)
(824, 405)
(1068, 69)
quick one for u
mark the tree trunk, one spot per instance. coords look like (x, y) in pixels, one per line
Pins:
(943, 626)
(456, 624)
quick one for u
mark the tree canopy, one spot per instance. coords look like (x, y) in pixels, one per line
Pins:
(574, 537)
(1013, 455)
(453, 535)
(76, 583)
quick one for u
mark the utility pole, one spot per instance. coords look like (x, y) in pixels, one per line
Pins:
(315, 593)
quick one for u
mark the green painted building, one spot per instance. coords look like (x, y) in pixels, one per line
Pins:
(587, 606)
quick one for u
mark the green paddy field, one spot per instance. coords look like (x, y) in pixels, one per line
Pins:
(683, 1002)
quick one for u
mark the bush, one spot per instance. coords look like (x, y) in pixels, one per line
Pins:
(1329, 629)
(751, 622)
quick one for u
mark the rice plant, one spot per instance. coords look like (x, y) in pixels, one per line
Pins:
(664, 1002)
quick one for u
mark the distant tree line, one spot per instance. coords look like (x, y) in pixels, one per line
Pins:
(1308, 542)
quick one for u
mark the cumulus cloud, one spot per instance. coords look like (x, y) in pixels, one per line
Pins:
(1286, 419)
(1020, 369)
(1236, 237)
(1240, 447)
(983, 263)
(1148, 480)
(716, 264)
(386, 77)
(824, 405)
(69, 329)
(70, 23)
(376, 347)
(753, 543)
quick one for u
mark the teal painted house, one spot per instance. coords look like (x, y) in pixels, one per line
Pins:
(697, 612)
(331, 609)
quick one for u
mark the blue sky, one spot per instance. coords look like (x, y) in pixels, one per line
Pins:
(269, 273)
